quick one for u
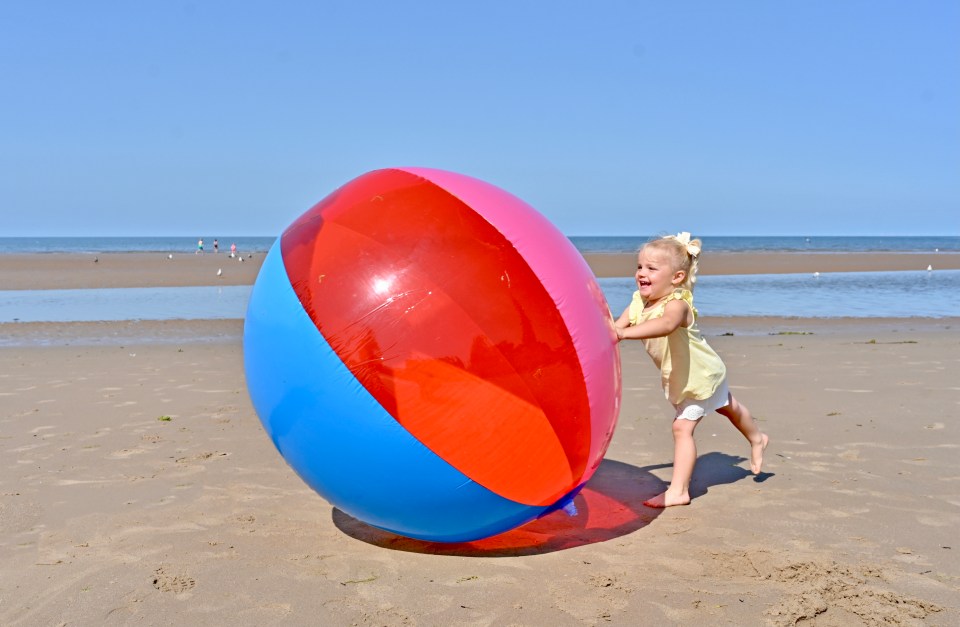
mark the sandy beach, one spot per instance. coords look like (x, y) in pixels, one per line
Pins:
(137, 485)
(73, 270)
(612, 265)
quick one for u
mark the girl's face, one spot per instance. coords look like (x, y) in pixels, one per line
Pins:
(655, 276)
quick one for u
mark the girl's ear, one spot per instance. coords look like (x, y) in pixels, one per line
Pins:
(678, 277)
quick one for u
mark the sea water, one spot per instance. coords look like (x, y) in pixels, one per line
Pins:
(925, 294)
(125, 303)
(170, 244)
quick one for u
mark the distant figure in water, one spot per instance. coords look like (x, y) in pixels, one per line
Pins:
(233, 250)
(199, 247)
(216, 246)
(693, 376)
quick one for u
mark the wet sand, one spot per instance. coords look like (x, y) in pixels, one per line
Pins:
(618, 265)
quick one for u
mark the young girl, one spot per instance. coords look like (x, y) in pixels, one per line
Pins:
(693, 376)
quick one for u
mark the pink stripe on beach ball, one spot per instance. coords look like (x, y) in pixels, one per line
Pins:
(563, 276)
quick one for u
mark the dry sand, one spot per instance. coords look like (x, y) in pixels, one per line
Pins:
(138, 487)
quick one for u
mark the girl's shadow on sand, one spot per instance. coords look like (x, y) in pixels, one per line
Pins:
(609, 506)
(719, 469)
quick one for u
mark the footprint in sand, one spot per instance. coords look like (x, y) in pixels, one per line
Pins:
(244, 519)
(199, 457)
(172, 583)
(863, 590)
(126, 452)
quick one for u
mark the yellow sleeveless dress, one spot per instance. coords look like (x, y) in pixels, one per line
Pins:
(689, 368)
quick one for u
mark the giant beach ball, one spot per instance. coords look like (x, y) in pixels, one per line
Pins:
(432, 356)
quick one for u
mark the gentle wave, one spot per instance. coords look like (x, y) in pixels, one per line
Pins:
(585, 244)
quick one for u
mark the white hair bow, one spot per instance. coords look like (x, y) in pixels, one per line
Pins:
(684, 238)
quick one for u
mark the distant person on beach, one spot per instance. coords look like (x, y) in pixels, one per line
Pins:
(693, 376)
(199, 247)
(233, 250)
(216, 246)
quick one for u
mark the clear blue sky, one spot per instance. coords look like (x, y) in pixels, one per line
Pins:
(637, 117)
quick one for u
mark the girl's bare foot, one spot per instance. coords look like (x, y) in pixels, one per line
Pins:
(667, 500)
(756, 453)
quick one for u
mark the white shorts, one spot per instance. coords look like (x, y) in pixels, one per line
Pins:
(692, 409)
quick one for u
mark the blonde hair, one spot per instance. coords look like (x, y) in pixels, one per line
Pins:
(682, 252)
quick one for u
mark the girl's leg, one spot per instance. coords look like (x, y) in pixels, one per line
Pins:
(684, 459)
(740, 417)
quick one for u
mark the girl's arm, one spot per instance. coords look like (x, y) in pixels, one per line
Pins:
(623, 321)
(674, 316)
